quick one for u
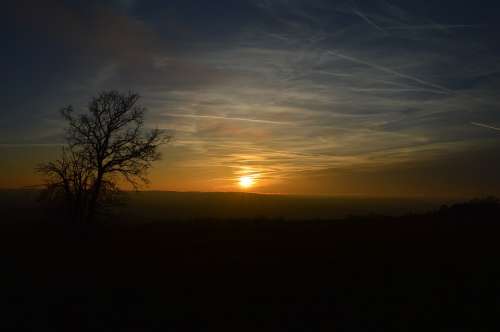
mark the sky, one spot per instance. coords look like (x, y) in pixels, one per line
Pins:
(378, 98)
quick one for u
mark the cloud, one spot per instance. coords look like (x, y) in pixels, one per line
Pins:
(96, 30)
(279, 88)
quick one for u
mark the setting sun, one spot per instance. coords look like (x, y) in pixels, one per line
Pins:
(246, 181)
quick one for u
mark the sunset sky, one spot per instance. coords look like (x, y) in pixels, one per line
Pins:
(379, 97)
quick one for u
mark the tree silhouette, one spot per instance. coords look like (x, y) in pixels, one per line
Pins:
(105, 145)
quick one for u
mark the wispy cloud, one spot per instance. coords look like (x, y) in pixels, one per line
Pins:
(293, 88)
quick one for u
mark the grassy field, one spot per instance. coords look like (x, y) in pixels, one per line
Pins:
(429, 270)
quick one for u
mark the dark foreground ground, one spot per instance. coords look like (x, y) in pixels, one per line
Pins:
(437, 271)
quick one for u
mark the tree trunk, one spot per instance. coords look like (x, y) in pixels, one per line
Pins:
(91, 213)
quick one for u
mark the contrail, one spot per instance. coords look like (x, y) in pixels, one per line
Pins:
(324, 72)
(435, 27)
(484, 126)
(367, 20)
(391, 71)
(28, 145)
(397, 90)
(216, 117)
(281, 37)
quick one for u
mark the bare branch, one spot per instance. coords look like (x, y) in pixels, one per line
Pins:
(104, 144)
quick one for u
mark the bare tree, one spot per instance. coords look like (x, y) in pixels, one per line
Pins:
(68, 181)
(105, 144)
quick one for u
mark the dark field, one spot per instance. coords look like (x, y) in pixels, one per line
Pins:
(144, 207)
(161, 206)
(437, 270)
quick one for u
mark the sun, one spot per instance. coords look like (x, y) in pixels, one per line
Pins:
(246, 182)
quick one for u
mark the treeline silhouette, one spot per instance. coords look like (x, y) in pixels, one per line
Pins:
(431, 270)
